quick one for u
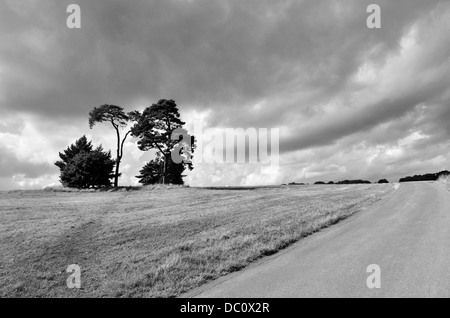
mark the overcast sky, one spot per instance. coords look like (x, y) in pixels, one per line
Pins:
(350, 102)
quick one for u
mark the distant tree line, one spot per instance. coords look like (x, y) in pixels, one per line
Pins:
(345, 182)
(426, 177)
(354, 182)
(157, 128)
(350, 182)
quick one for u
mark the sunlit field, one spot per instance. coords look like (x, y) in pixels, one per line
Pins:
(157, 242)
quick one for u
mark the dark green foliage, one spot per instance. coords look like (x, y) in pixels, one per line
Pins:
(320, 182)
(153, 171)
(110, 113)
(83, 167)
(354, 182)
(155, 125)
(81, 145)
(426, 177)
(383, 181)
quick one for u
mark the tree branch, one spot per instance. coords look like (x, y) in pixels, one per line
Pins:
(123, 141)
(162, 152)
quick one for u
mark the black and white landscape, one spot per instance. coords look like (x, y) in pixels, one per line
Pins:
(225, 148)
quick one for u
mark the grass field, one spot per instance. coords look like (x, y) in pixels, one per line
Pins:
(157, 242)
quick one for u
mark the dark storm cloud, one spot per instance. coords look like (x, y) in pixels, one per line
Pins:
(201, 53)
(335, 127)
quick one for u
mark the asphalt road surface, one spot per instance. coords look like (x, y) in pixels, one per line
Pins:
(407, 235)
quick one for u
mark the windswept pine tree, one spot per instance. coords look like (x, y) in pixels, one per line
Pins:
(156, 128)
(118, 119)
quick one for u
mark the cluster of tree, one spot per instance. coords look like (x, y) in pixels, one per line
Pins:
(426, 177)
(158, 127)
(352, 182)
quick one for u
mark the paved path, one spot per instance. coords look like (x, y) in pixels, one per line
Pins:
(407, 235)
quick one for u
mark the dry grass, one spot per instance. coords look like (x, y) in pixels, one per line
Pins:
(156, 242)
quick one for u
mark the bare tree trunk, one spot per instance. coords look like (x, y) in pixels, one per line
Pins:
(119, 156)
(116, 175)
(164, 171)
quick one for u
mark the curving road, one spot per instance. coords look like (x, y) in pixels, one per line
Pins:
(407, 235)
